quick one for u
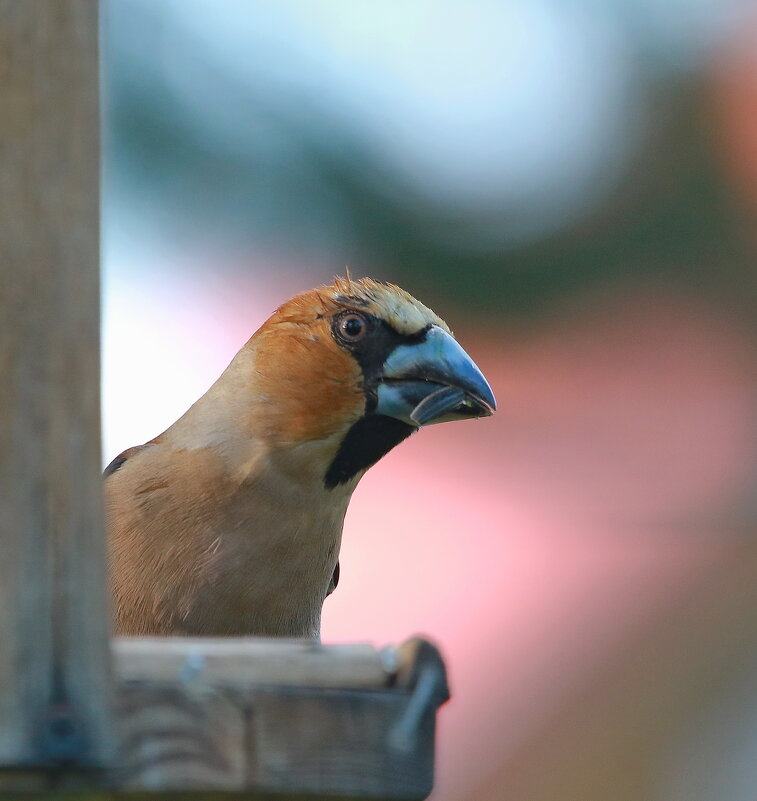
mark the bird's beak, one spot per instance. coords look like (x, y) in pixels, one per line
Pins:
(433, 381)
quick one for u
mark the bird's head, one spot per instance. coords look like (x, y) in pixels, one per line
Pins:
(362, 365)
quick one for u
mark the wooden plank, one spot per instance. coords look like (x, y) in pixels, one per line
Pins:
(246, 661)
(53, 621)
(339, 743)
(224, 722)
(174, 737)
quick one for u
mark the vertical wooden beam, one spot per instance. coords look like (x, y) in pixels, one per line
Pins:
(54, 669)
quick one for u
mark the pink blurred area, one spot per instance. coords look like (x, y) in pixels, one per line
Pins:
(530, 546)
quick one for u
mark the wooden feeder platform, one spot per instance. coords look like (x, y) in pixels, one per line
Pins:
(292, 717)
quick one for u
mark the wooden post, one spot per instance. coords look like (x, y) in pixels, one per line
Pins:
(54, 657)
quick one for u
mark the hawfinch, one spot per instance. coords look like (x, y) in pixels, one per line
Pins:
(230, 522)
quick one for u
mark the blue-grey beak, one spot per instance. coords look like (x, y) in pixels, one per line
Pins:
(433, 381)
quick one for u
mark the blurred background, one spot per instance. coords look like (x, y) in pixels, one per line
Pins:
(573, 187)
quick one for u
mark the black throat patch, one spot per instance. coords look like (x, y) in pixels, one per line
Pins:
(366, 442)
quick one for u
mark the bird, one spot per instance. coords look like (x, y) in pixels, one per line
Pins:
(229, 523)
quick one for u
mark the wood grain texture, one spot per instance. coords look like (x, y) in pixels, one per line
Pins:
(250, 661)
(196, 729)
(53, 621)
(339, 742)
(258, 716)
(177, 737)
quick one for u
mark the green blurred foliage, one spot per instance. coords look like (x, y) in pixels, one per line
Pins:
(672, 218)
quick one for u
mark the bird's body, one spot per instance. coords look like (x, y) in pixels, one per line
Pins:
(230, 522)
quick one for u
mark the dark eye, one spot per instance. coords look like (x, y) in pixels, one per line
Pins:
(352, 326)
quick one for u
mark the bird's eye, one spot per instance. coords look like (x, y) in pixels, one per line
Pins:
(352, 326)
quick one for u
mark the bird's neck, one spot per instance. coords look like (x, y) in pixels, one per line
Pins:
(243, 423)
(278, 512)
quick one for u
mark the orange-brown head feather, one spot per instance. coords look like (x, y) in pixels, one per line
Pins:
(314, 386)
